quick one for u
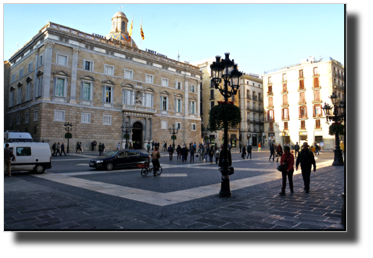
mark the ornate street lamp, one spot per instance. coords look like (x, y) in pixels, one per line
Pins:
(226, 70)
(126, 130)
(337, 117)
(68, 135)
(173, 132)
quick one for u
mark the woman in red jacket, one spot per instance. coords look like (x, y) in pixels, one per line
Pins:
(287, 158)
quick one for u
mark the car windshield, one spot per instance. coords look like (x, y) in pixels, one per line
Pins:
(110, 153)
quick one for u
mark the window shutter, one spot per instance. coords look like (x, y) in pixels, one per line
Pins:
(175, 105)
(103, 93)
(161, 103)
(167, 103)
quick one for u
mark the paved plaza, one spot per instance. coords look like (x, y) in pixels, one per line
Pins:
(72, 196)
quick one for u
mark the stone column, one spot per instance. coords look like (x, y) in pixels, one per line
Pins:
(47, 70)
(74, 74)
(198, 99)
(35, 77)
(186, 100)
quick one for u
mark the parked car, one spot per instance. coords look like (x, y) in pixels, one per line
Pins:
(119, 159)
(31, 156)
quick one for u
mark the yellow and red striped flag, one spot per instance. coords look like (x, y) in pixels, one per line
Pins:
(131, 28)
(142, 32)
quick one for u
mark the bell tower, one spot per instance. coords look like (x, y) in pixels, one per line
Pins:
(119, 23)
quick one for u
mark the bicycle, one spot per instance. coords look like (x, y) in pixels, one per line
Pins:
(145, 169)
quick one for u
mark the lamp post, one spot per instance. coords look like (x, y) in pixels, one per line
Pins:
(68, 128)
(126, 130)
(337, 116)
(226, 70)
(173, 132)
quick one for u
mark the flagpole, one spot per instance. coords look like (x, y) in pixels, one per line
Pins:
(131, 27)
(140, 35)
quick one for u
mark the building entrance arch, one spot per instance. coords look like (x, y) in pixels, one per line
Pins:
(137, 135)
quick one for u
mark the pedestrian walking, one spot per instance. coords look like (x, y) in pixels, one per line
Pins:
(317, 149)
(217, 155)
(170, 151)
(8, 156)
(81, 148)
(164, 146)
(200, 153)
(249, 149)
(100, 149)
(148, 147)
(178, 151)
(306, 159)
(272, 151)
(243, 152)
(118, 146)
(192, 151)
(287, 159)
(211, 153)
(206, 148)
(54, 148)
(278, 151)
(58, 149)
(77, 147)
(63, 148)
(296, 149)
(184, 153)
(259, 146)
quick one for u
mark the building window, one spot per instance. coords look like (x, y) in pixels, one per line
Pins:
(315, 71)
(317, 111)
(302, 97)
(128, 74)
(21, 73)
(59, 87)
(128, 97)
(61, 59)
(19, 95)
(212, 94)
(10, 121)
(38, 86)
(285, 113)
(86, 91)
(107, 120)
(316, 82)
(27, 117)
(269, 80)
(28, 91)
(109, 69)
(149, 78)
(11, 98)
(88, 65)
(248, 94)
(41, 60)
(59, 115)
(303, 124)
(194, 127)
(178, 105)
(300, 73)
(36, 113)
(316, 96)
(108, 97)
(286, 126)
(271, 127)
(270, 101)
(303, 112)
(271, 115)
(285, 100)
(164, 103)
(269, 89)
(13, 78)
(317, 124)
(30, 67)
(301, 84)
(86, 118)
(284, 88)
(164, 82)
(18, 119)
(178, 85)
(192, 88)
(284, 77)
(212, 104)
(178, 125)
(192, 107)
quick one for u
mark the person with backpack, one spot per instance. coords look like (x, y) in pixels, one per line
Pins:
(306, 160)
(243, 152)
(288, 159)
(249, 149)
(279, 151)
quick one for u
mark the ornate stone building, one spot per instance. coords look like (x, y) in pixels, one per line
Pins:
(99, 84)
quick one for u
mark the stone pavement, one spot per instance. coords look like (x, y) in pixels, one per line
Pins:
(29, 205)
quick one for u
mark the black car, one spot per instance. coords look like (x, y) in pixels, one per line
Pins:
(119, 159)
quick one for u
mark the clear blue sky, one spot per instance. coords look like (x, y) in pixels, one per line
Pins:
(259, 36)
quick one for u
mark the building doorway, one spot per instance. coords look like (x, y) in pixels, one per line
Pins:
(137, 135)
(255, 141)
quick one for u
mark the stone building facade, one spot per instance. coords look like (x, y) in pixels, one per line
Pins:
(210, 97)
(294, 97)
(99, 84)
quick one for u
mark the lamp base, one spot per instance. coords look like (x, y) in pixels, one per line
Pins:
(225, 190)
(338, 160)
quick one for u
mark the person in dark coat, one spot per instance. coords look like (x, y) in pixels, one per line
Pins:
(211, 153)
(243, 152)
(296, 149)
(170, 151)
(54, 148)
(184, 153)
(100, 149)
(249, 149)
(306, 159)
(279, 151)
(272, 150)
(287, 158)
(63, 149)
(192, 151)
(178, 150)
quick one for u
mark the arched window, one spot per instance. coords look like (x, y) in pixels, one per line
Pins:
(123, 25)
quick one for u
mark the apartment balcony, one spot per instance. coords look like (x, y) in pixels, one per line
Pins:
(302, 128)
(248, 97)
(284, 92)
(301, 77)
(301, 89)
(270, 84)
(316, 88)
(250, 120)
(303, 117)
(285, 105)
(270, 93)
(315, 75)
(260, 109)
(268, 120)
(285, 119)
(255, 98)
(270, 107)
(126, 107)
(260, 99)
(318, 116)
(317, 101)
(302, 103)
(318, 128)
(285, 81)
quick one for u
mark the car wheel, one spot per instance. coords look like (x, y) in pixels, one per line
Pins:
(160, 170)
(39, 169)
(109, 166)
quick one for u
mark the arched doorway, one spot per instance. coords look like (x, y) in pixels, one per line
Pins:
(137, 135)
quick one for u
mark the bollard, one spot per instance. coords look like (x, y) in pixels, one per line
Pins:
(343, 211)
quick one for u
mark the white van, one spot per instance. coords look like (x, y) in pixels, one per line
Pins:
(31, 156)
(17, 137)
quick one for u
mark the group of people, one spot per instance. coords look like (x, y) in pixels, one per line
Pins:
(79, 147)
(306, 160)
(58, 148)
(244, 149)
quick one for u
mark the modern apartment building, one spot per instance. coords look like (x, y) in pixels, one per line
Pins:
(294, 97)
